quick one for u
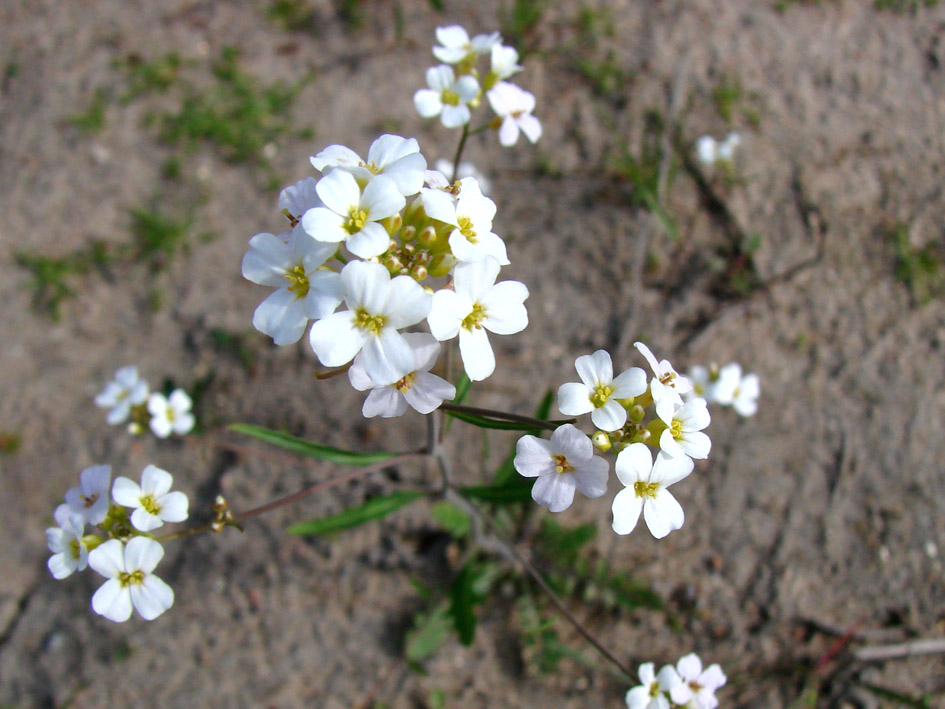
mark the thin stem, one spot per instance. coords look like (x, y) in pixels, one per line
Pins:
(505, 416)
(459, 152)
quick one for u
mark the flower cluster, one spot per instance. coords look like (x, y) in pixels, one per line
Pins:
(456, 87)
(122, 549)
(632, 413)
(685, 685)
(128, 396)
(727, 386)
(712, 152)
(366, 234)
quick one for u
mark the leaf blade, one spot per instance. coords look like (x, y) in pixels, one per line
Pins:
(306, 448)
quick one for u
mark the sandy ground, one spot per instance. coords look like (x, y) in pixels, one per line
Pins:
(827, 505)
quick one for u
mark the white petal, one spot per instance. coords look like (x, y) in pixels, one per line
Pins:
(629, 383)
(452, 36)
(428, 392)
(408, 173)
(694, 415)
(144, 521)
(358, 376)
(387, 357)
(324, 225)
(112, 601)
(696, 445)
(573, 399)
(440, 77)
(475, 280)
(142, 553)
(446, 314)
(407, 303)
(151, 597)
(455, 116)
(299, 198)
(530, 126)
(370, 241)
(591, 479)
(339, 191)
(626, 508)
(634, 463)
(595, 369)
(335, 340)
(555, 491)
(670, 446)
(385, 401)
(381, 198)
(648, 356)
(427, 103)
(183, 423)
(689, 667)
(61, 565)
(425, 348)
(335, 156)
(366, 285)
(533, 457)
(108, 558)
(440, 205)
(571, 442)
(173, 507)
(282, 316)
(478, 358)
(663, 514)
(610, 416)
(160, 426)
(505, 310)
(126, 492)
(388, 149)
(669, 470)
(324, 295)
(266, 261)
(467, 88)
(155, 481)
(508, 132)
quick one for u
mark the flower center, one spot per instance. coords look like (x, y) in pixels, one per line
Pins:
(89, 499)
(655, 689)
(676, 429)
(668, 378)
(355, 221)
(74, 547)
(466, 229)
(562, 465)
(149, 504)
(645, 489)
(126, 579)
(403, 385)
(372, 323)
(298, 281)
(601, 395)
(450, 98)
(372, 166)
(475, 318)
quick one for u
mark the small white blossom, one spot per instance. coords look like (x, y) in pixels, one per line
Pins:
(653, 690)
(127, 389)
(562, 464)
(707, 150)
(471, 214)
(170, 414)
(350, 215)
(514, 106)
(683, 434)
(90, 500)
(727, 147)
(422, 390)
(392, 156)
(130, 582)
(303, 290)
(456, 44)
(443, 169)
(476, 305)
(378, 306)
(599, 390)
(65, 542)
(666, 381)
(697, 688)
(447, 97)
(295, 200)
(504, 62)
(645, 490)
(152, 502)
(737, 390)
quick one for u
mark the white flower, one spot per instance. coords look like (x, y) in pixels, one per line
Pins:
(727, 147)
(645, 484)
(471, 213)
(683, 434)
(740, 391)
(447, 97)
(170, 414)
(651, 694)
(420, 389)
(707, 150)
(65, 542)
(599, 391)
(478, 304)
(666, 381)
(696, 688)
(504, 62)
(378, 306)
(303, 291)
(564, 463)
(350, 215)
(439, 180)
(392, 156)
(130, 582)
(514, 106)
(90, 499)
(295, 200)
(703, 383)
(456, 44)
(152, 502)
(127, 389)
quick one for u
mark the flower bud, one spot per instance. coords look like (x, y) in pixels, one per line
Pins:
(427, 237)
(408, 233)
(601, 441)
(418, 273)
(636, 413)
(441, 264)
(393, 264)
(392, 223)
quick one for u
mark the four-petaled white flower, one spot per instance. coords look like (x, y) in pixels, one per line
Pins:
(478, 304)
(599, 391)
(127, 389)
(303, 290)
(651, 694)
(645, 484)
(456, 44)
(503, 62)
(152, 502)
(350, 215)
(666, 381)
(696, 688)
(514, 105)
(422, 390)
(711, 152)
(471, 213)
(562, 464)
(90, 500)
(170, 414)
(438, 178)
(447, 97)
(295, 200)
(737, 390)
(378, 306)
(392, 156)
(683, 434)
(130, 582)
(65, 542)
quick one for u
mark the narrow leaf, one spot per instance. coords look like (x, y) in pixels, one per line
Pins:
(309, 449)
(487, 422)
(462, 388)
(375, 508)
(452, 519)
(544, 408)
(516, 490)
(462, 600)
(428, 633)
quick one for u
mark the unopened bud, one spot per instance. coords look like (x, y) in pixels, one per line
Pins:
(427, 237)
(408, 233)
(393, 264)
(409, 249)
(421, 258)
(418, 273)
(441, 264)
(636, 413)
(601, 441)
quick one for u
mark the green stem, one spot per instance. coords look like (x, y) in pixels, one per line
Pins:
(537, 423)
(459, 152)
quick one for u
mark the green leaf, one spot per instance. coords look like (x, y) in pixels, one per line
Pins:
(517, 490)
(462, 388)
(428, 633)
(437, 5)
(544, 408)
(452, 519)
(375, 508)
(488, 422)
(462, 600)
(563, 544)
(309, 449)
(506, 471)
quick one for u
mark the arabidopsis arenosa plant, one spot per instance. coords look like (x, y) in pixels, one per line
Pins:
(599, 390)
(503, 62)
(696, 687)
(727, 386)
(392, 156)
(653, 689)
(90, 499)
(170, 414)
(711, 152)
(645, 490)
(465, 169)
(126, 390)
(666, 381)
(448, 97)
(128, 567)
(471, 214)
(562, 464)
(152, 502)
(457, 46)
(514, 106)
(683, 434)
(70, 552)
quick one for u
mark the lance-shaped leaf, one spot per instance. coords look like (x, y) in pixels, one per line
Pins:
(375, 508)
(309, 449)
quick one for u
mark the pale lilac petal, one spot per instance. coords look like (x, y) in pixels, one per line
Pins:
(573, 399)
(151, 597)
(387, 357)
(385, 401)
(663, 514)
(591, 479)
(370, 241)
(554, 491)
(626, 508)
(112, 601)
(335, 339)
(572, 443)
(533, 457)
(478, 357)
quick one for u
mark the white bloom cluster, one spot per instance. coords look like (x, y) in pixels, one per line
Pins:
(122, 549)
(128, 396)
(713, 152)
(366, 234)
(685, 685)
(619, 407)
(456, 87)
(727, 386)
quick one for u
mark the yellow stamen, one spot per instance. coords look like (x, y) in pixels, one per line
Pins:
(298, 281)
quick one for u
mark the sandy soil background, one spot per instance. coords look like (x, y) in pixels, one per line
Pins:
(807, 269)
